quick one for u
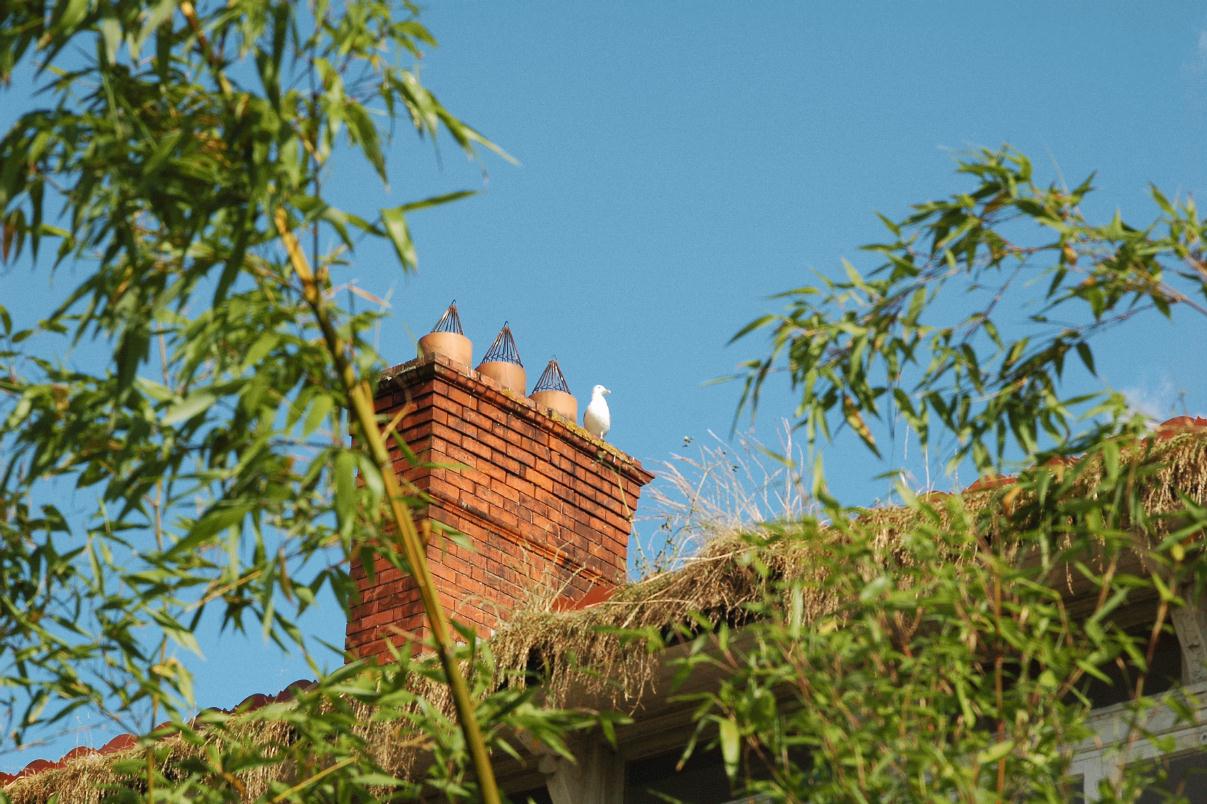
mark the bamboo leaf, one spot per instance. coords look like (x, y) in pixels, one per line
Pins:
(192, 405)
(345, 489)
(730, 739)
(395, 224)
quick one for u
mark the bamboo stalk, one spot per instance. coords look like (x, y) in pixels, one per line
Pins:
(366, 421)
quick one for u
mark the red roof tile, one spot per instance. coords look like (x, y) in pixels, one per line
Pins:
(80, 751)
(1166, 430)
(37, 766)
(126, 741)
(1179, 424)
(119, 743)
(596, 594)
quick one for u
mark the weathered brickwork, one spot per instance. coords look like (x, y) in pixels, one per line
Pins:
(541, 502)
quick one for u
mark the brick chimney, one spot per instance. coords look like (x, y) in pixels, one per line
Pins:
(541, 501)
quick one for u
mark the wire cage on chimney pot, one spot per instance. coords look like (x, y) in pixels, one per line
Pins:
(446, 338)
(502, 364)
(450, 321)
(552, 393)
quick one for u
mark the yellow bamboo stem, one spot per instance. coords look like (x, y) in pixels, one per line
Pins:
(365, 416)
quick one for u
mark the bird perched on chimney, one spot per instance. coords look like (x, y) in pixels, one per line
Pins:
(597, 418)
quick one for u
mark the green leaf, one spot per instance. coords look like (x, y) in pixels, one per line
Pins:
(394, 221)
(345, 489)
(189, 407)
(111, 34)
(1087, 356)
(730, 739)
(757, 323)
(319, 408)
(73, 14)
(260, 349)
(995, 752)
(164, 151)
(853, 416)
(854, 276)
(215, 520)
(377, 780)
(437, 200)
(365, 133)
(371, 477)
(158, 15)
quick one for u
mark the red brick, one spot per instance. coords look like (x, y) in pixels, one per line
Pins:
(462, 398)
(506, 517)
(460, 456)
(494, 442)
(462, 480)
(540, 480)
(441, 487)
(482, 451)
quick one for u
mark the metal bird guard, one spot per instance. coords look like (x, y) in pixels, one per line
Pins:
(503, 350)
(450, 321)
(552, 379)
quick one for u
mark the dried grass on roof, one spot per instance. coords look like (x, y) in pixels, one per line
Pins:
(592, 653)
(83, 779)
(100, 777)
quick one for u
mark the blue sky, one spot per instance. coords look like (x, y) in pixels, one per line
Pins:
(679, 163)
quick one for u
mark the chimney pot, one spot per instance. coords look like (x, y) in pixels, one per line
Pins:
(502, 363)
(552, 393)
(446, 338)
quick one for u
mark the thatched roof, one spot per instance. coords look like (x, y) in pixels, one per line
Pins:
(592, 655)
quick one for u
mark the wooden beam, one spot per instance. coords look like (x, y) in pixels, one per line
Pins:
(1190, 626)
(595, 777)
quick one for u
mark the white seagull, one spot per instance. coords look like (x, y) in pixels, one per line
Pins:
(597, 418)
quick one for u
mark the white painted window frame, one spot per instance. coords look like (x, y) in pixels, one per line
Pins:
(1112, 748)
(1107, 752)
